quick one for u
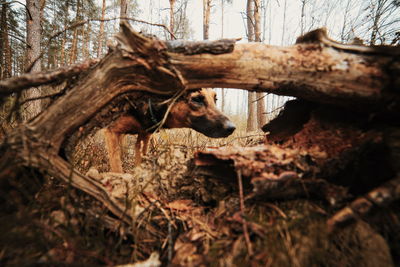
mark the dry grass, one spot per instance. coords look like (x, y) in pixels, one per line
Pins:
(195, 141)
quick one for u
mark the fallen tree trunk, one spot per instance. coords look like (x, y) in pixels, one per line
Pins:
(319, 70)
(314, 71)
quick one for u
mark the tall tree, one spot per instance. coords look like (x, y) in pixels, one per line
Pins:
(101, 33)
(74, 48)
(5, 48)
(249, 20)
(261, 120)
(171, 17)
(303, 16)
(86, 41)
(33, 39)
(65, 8)
(251, 96)
(206, 18)
(222, 36)
(284, 21)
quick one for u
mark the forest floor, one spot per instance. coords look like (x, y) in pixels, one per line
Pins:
(186, 215)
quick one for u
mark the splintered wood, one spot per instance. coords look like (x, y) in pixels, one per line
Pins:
(319, 152)
(274, 172)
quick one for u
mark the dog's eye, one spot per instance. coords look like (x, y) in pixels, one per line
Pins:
(198, 99)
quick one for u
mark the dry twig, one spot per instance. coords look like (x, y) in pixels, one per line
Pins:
(242, 208)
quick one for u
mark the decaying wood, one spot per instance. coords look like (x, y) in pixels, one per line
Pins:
(313, 71)
(317, 71)
(378, 198)
(211, 47)
(312, 127)
(274, 172)
(308, 141)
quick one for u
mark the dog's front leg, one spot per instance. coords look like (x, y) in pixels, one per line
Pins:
(142, 143)
(114, 151)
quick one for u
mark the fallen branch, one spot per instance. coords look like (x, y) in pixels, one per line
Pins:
(378, 198)
(17, 84)
(242, 212)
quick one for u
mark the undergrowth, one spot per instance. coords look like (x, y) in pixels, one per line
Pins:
(193, 220)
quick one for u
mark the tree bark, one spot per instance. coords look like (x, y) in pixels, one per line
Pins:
(33, 37)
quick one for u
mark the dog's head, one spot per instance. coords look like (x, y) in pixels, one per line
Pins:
(197, 110)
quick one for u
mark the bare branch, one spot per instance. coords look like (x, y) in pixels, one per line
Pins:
(17, 84)
(18, 2)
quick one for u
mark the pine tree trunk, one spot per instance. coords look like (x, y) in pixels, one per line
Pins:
(5, 49)
(249, 16)
(284, 21)
(63, 56)
(206, 18)
(86, 52)
(171, 18)
(257, 37)
(252, 118)
(3, 24)
(222, 18)
(303, 17)
(33, 38)
(251, 97)
(74, 49)
(101, 33)
(222, 36)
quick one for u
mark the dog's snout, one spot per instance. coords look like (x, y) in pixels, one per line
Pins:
(229, 127)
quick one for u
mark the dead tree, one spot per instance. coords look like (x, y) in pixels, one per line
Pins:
(317, 69)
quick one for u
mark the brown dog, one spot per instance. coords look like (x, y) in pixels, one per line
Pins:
(196, 109)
